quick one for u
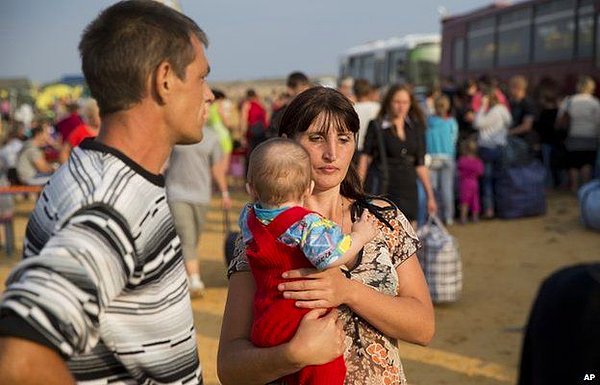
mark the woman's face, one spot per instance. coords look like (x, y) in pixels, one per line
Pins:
(400, 103)
(330, 153)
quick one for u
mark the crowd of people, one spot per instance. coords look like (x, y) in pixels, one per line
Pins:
(454, 142)
(33, 149)
(325, 269)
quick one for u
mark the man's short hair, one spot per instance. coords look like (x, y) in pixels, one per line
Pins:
(279, 171)
(125, 44)
(362, 88)
(585, 84)
(297, 79)
(518, 81)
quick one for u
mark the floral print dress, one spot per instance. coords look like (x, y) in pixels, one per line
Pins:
(371, 357)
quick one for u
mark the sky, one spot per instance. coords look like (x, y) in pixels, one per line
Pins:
(248, 39)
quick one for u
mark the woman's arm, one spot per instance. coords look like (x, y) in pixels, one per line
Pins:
(363, 165)
(423, 172)
(317, 340)
(219, 174)
(483, 119)
(25, 362)
(369, 148)
(423, 175)
(407, 316)
(225, 118)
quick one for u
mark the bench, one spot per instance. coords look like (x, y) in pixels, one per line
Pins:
(20, 189)
(7, 220)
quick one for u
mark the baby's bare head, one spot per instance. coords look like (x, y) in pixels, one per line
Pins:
(279, 171)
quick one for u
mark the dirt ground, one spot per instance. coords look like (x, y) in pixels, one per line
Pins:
(478, 339)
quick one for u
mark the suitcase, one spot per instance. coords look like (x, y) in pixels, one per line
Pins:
(230, 238)
(589, 204)
(520, 191)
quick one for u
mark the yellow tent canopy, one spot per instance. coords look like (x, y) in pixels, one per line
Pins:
(49, 94)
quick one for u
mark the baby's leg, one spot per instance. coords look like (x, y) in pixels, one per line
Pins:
(332, 373)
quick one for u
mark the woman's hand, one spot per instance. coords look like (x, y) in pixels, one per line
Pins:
(485, 103)
(316, 289)
(319, 339)
(432, 206)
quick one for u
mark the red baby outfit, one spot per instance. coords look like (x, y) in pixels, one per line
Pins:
(276, 319)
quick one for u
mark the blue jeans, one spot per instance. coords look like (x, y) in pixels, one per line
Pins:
(441, 174)
(491, 158)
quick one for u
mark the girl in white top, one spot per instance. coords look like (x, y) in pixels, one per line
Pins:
(492, 120)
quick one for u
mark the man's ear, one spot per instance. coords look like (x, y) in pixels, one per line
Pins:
(163, 81)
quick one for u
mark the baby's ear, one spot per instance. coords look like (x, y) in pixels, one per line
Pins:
(310, 188)
(250, 191)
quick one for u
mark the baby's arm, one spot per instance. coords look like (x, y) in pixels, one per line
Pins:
(363, 231)
(324, 243)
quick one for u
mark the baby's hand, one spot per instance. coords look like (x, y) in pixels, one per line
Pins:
(365, 229)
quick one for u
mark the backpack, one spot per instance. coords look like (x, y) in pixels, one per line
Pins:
(440, 261)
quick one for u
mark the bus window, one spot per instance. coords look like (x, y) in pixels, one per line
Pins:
(480, 37)
(351, 67)
(423, 64)
(554, 30)
(598, 42)
(397, 66)
(514, 37)
(368, 68)
(458, 54)
(585, 29)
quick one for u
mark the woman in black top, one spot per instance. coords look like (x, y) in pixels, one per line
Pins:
(396, 141)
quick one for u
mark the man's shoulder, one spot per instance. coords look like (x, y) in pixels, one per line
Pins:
(91, 179)
(96, 173)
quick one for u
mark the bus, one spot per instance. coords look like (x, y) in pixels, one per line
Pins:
(410, 59)
(558, 39)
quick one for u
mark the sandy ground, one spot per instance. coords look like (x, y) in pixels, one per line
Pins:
(477, 339)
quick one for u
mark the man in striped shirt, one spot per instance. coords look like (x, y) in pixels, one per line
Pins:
(101, 294)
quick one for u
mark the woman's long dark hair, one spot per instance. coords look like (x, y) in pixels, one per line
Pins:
(339, 113)
(414, 113)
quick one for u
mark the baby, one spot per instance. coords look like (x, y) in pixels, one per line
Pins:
(281, 235)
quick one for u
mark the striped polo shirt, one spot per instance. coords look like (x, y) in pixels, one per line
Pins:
(103, 280)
